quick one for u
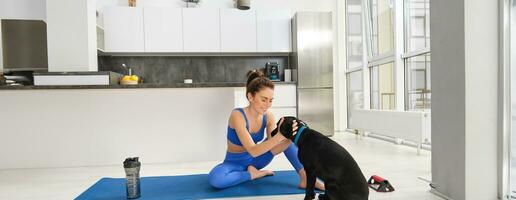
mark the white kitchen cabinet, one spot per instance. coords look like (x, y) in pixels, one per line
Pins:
(123, 29)
(201, 30)
(196, 30)
(274, 30)
(163, 28)
(238, 30)
(284, 103)
(282, 112)
(285, 95)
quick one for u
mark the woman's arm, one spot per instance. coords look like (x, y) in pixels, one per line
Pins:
(237, 121)
(271, 124)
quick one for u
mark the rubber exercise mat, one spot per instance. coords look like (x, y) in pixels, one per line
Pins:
(194, 187)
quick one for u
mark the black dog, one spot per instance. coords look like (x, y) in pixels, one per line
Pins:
(325, 159)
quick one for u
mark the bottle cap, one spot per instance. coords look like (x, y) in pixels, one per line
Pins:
(131, 162)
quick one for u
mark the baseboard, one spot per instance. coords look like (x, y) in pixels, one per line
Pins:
(439, 194)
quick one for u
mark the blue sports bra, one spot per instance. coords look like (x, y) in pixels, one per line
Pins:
(257, 137)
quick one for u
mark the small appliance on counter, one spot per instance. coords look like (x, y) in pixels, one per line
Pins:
(288, 75)
(272, 71)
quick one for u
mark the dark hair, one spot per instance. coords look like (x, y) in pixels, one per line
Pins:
(256, 81)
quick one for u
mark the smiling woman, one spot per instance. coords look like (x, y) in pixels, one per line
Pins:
(247, 151)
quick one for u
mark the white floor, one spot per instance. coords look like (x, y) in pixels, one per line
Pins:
(397, 163)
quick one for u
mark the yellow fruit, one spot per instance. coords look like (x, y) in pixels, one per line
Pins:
(126, 78)
(134, 78)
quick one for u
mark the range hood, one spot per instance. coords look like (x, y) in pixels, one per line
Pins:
(24, 45)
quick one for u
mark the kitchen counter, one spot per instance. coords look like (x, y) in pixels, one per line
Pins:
(94, 127)
(102, 125)
(144, 85)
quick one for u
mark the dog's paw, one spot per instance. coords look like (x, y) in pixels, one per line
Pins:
(310, 196)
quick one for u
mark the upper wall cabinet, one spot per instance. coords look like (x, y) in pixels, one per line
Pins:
(196, 30)
(163, 29)
(201, 28)
(123, 29)
(273, 30)
(238, 30)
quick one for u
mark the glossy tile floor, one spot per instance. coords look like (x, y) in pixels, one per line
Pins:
(399, 164)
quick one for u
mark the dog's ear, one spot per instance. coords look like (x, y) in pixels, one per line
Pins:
(274, 132)
(286, 127)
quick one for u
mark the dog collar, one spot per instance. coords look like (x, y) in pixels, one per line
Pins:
(299, 134)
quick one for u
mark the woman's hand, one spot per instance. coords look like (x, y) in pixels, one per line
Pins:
(294, 127)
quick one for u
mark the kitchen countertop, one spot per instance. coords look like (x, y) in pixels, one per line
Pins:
(76, 73)
(143, 85)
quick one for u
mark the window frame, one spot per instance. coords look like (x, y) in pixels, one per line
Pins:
(408, 79)
(408, 54)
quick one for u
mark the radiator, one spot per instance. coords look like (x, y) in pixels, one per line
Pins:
(414, 126)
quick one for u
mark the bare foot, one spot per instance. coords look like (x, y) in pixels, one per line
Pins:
(255, 173)
(302, 184)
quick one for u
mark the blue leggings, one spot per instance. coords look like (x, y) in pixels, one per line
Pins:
(233, 170)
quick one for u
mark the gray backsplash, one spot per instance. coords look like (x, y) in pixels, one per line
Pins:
(202, 69)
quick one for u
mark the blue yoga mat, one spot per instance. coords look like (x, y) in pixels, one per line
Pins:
(194, 187)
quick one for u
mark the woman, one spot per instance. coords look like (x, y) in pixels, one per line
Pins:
(245, 156)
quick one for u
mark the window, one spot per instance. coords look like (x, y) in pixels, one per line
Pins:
(418, 82)
(417, 25)
(383, 87)
(354, 33)
(417, 55)
(374, 49)
(381, 27)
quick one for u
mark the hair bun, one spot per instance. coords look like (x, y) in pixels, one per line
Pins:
(257, 80)
(253, 74)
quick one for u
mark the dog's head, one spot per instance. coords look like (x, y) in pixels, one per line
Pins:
(286, 127)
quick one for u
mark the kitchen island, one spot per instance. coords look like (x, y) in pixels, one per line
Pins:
(66, 126)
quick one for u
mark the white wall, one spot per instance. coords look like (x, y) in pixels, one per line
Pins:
(23, 9)
(481, 61)
(339, 73)
(464, 98)
(72, 36)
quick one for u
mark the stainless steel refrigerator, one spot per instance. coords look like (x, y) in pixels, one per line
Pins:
(312, 63)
